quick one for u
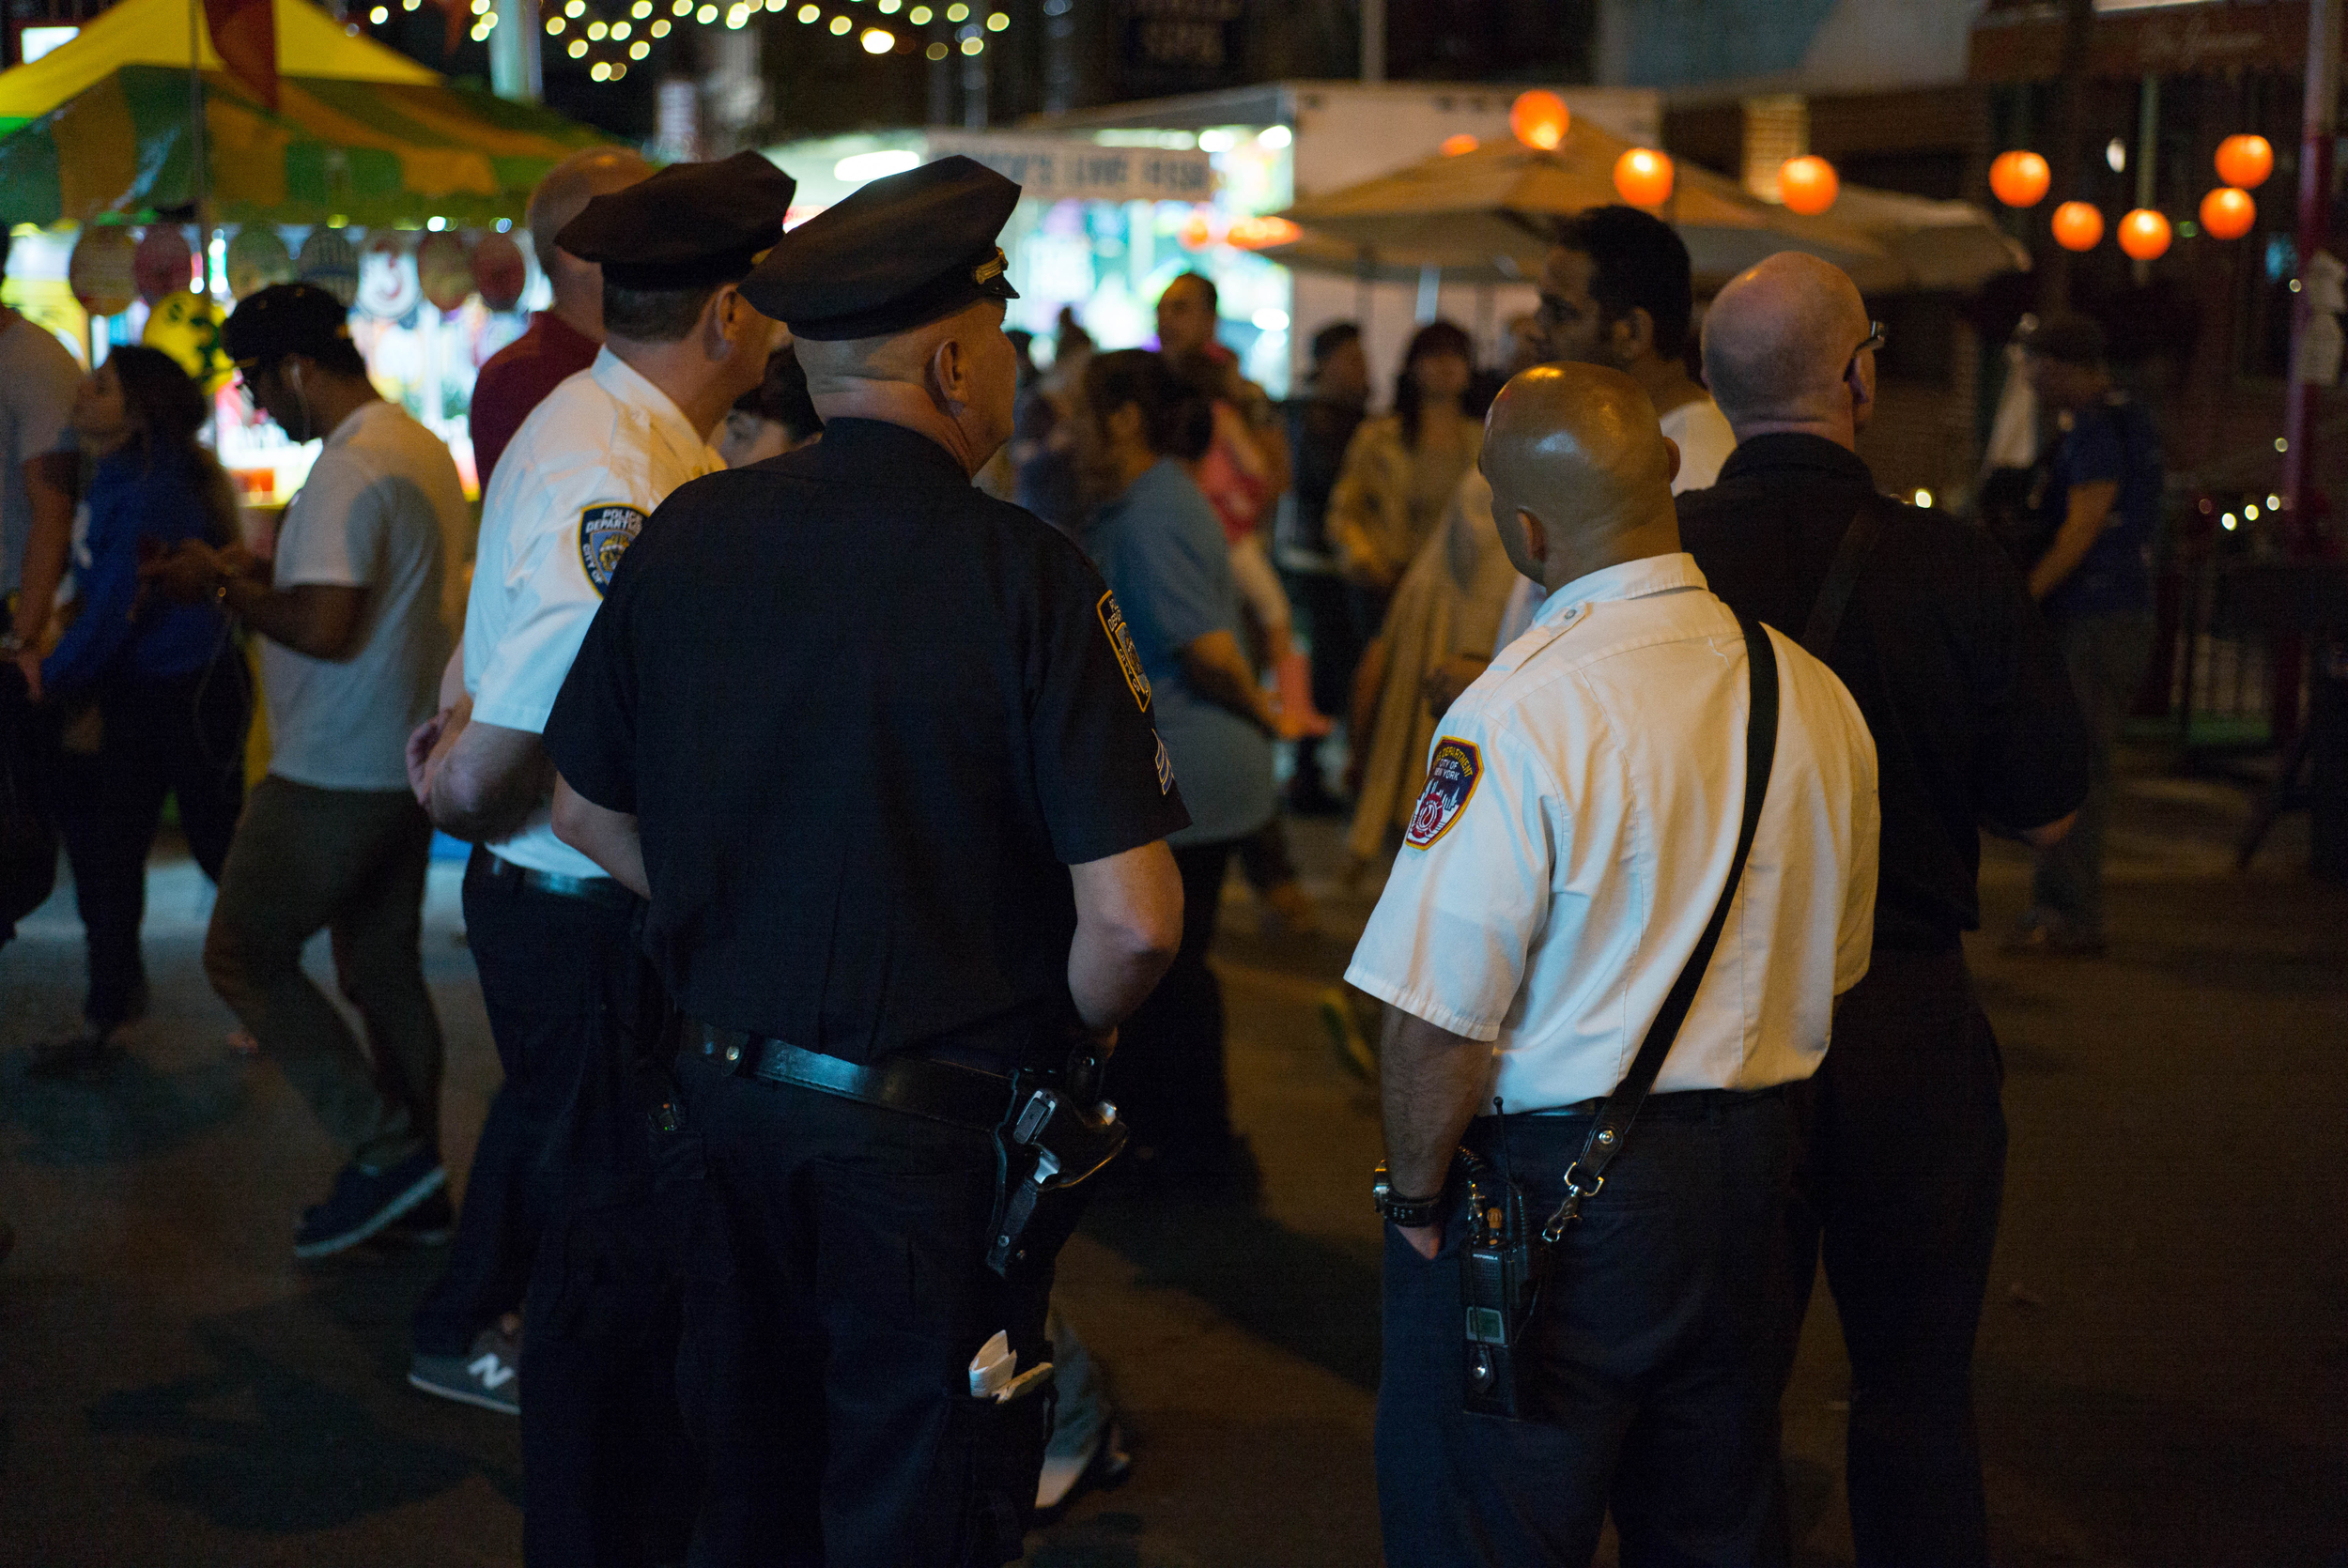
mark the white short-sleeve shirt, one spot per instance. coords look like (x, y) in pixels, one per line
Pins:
(582, 474)
(1581, 813)
(381, 510)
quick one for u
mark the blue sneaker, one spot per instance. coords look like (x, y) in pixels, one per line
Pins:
(364, 1202)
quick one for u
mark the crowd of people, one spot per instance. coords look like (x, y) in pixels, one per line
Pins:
(823, 894)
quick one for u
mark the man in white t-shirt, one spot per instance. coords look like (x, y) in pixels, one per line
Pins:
(349, 610)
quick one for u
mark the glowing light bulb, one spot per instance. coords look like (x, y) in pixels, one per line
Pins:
(810, 14)
(660, 28)
(974, 46)
(920, 16)
(2251, 512)
(957, 12)
(620, 31)
(840, 25)
(637, 50)
(597, 30)
(578, 47)
(554, 26)
(935, 52)
(600, 71)
(2227, 522)
(379, 15)
(1924, 499)
(876, 41)
(998, 20)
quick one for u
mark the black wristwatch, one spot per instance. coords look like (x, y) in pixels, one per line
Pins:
(1400, 1210)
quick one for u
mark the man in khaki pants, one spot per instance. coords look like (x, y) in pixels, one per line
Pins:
(353, 641)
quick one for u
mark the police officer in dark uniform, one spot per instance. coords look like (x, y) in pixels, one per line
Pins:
(563, 1190)
(869, 743)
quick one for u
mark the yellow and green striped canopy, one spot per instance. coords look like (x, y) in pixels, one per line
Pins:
(373, 153)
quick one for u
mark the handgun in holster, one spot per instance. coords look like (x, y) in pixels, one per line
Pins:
(1059, 1133)
(1499, 1280)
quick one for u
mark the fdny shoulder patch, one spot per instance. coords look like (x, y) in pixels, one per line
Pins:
(1121, 640)
(1166, 765)
(605, 532)
(1451, 779)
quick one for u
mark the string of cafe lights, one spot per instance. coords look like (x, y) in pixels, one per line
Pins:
(628, 40)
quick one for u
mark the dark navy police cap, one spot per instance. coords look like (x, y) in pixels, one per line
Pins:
(689, 224)
(282, 319)
(897, 253)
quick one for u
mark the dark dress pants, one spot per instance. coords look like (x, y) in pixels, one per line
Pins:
(1652, 1353)
(836, 1292)
(560, 1213)
(1168, 1075)
(1900, 1177)
(182, 737)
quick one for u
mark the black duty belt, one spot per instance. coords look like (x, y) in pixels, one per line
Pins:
(918, 1085)
(606, 891)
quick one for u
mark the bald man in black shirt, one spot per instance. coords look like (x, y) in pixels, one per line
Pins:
(1974, 722)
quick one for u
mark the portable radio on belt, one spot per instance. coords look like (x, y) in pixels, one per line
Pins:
(1498, 1283)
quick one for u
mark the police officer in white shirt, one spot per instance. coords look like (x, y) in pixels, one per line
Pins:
(567, 988)
(1580, 826)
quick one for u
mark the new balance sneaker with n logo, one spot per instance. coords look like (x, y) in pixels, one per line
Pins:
(489, 1375)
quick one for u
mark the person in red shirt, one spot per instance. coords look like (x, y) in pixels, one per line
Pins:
(563, 341)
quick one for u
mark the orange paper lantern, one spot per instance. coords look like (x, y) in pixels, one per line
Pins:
(2019, 179)
(1539, 120)
(2228, 213)
(2144, 234)
(1454, 145)
(1195, 233)
(2078, 227)
(1643, 177)
(2244, 161)
(1808, 185)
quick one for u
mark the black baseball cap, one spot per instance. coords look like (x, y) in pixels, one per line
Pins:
(687, 225)
(897, 253)
(282, 319)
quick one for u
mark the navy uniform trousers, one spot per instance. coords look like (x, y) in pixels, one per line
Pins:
(837, 1293)
(1653, 1349)
(562, 1183)
(1899, 1179)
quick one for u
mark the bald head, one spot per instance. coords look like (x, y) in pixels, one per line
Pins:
(567, 189)
(1778, 348)
(1580, 472)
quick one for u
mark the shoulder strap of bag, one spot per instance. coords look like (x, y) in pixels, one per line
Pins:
(1842, 577)
(1588, 1172)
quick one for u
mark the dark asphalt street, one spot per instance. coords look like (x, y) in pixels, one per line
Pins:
(2164, 1360)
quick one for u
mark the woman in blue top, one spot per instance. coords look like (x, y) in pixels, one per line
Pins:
(1162, 549)
(161, 685)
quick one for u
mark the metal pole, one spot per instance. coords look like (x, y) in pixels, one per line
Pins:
(514, 66)
(2147, 155)
(1373, 40)
(2318, 123)
(199, 185)
(2079, 27)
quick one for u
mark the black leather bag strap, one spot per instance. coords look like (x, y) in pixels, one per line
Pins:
(1588, 1172)
(1842, 577)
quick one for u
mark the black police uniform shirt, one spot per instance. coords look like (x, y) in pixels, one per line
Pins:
(865, 715)
(1951, 664)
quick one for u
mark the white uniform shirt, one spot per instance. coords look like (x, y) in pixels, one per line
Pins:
(1581, 813)
(583, 474)
(382, 510)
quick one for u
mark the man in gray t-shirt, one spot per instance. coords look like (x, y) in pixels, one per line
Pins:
(38, 381)
(354, 636)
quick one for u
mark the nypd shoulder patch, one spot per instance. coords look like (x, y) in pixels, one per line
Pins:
(1452, 776)
(1121, 642)
(605, 532)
